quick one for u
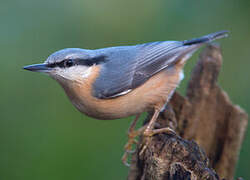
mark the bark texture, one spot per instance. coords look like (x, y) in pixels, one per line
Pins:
(209, 131)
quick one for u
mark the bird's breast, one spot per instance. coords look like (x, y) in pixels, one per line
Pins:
(152, 94)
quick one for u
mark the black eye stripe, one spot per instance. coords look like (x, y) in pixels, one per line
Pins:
(68, 63)
(64, 63)
(91, 61)
(85, 62)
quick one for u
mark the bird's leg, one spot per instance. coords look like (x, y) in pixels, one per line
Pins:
(150, 126)
(149, 131)
(132, 134)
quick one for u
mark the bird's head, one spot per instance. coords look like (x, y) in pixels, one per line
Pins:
(67, 65)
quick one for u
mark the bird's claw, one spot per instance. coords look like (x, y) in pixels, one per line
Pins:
(148, 136)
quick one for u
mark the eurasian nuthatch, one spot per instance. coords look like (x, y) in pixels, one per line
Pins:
(117, 82)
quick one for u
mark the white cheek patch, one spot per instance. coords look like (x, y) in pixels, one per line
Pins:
(74, 73)
(87, 72)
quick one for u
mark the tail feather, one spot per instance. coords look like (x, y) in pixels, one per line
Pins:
(207, 38)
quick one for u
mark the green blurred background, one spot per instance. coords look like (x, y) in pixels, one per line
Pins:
(41, 135)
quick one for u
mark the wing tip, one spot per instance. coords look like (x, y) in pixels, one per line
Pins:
(207, 38)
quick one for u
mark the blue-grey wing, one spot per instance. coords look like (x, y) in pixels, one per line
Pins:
(129, 67)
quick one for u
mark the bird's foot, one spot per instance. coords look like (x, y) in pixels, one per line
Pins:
(148, 136)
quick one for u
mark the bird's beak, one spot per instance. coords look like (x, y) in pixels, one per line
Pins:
(38, 68)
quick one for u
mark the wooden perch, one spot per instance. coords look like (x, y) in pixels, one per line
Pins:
(210, 131)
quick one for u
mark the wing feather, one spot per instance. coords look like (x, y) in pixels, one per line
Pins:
(130, 66)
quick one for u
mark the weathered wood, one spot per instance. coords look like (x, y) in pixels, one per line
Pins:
(205, 116)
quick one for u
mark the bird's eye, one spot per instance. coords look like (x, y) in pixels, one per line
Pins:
(68, 63)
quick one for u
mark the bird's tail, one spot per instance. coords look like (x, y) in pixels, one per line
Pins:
(207, 38)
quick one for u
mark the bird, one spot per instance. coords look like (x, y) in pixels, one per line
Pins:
(122, 81)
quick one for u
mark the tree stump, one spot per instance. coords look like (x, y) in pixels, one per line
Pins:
(209, 131)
